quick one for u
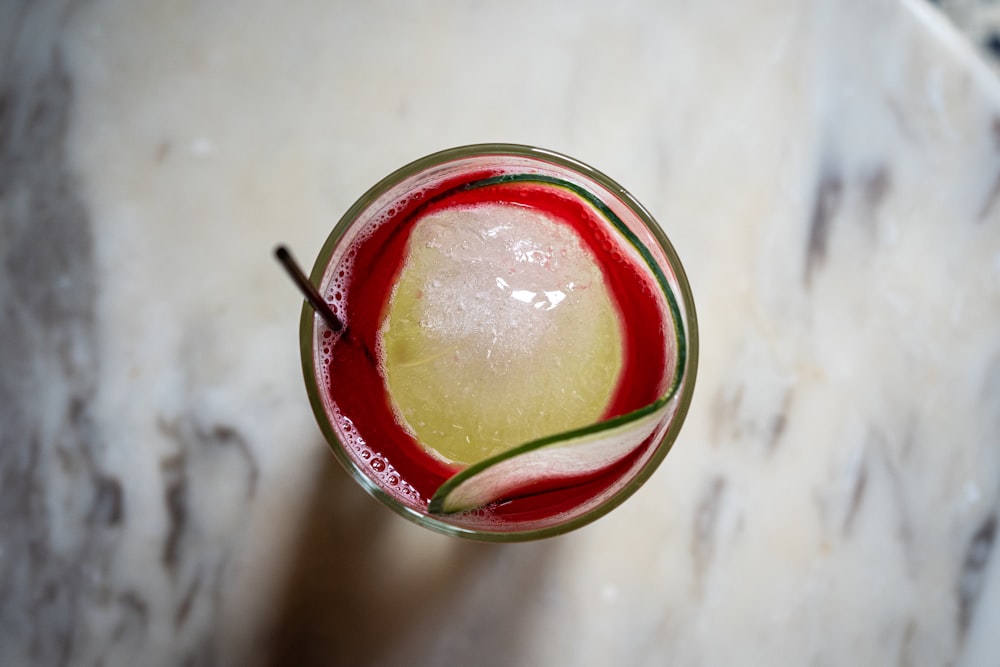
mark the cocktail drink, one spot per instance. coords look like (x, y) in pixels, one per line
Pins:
(514, 347)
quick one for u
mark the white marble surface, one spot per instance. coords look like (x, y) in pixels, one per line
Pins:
(828, 170)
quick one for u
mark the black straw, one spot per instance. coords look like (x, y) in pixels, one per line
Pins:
(308, 290)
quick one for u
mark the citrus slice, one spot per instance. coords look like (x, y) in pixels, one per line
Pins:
(500, 331)
(563, 456)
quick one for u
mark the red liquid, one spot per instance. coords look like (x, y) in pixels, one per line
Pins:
(358, 390)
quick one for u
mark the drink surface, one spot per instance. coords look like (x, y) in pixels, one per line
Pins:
(487, 312)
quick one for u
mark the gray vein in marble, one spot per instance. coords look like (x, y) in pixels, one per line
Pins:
(988, 205)
(187, 600)
(876, 185)
(970, 580)
(49, 364)
(228, 437)
(731, 419)
(857, 495)
(706, 519)
(906, 650)
(878, 443)
(185, 475)
(134, 616)
(826, 204)
(189, 434)
(779, 421)
(725, 410)
(868, 485)
(108, 505)
(175, 482)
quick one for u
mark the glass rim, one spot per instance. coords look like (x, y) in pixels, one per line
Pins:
(686, 374)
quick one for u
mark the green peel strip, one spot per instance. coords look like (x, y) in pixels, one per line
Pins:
(578, 451)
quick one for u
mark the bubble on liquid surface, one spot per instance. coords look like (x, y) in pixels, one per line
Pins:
(371, 462)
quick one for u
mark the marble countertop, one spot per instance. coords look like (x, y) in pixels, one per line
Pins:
(829, 172)
(979, 20)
